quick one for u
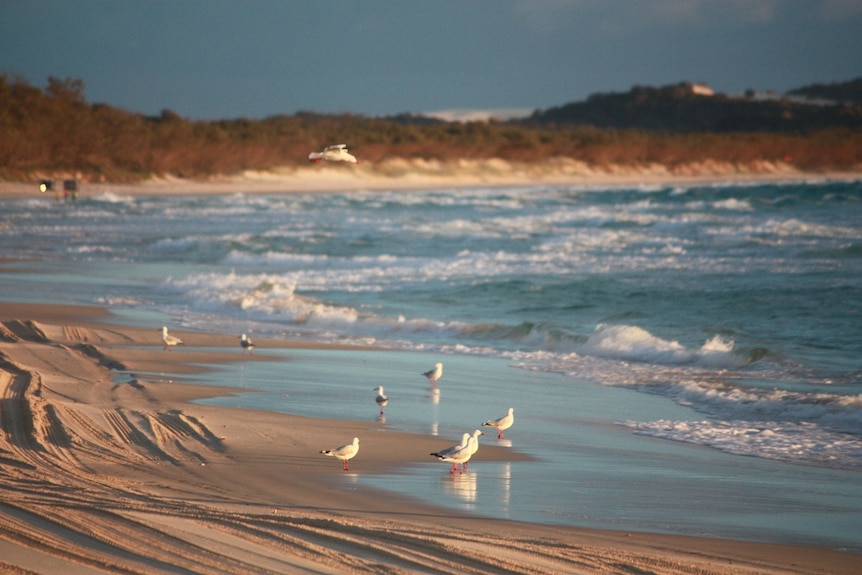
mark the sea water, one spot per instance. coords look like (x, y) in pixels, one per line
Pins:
(682, 359)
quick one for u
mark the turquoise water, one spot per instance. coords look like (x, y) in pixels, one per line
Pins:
(681, 359)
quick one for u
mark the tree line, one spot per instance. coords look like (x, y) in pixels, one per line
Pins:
(55, 130)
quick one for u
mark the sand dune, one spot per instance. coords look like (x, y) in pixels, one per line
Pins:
(105, 469)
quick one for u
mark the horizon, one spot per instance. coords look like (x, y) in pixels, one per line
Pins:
(214, 59)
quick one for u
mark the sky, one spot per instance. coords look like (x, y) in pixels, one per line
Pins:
(224, 59)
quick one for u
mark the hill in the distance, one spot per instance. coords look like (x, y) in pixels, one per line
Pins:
(690, 107)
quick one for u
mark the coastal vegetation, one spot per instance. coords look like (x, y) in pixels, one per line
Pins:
(56, 131)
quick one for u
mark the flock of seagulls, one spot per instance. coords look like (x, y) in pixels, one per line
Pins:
(458, 455)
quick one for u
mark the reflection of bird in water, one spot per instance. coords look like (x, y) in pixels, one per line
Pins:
(434, 374)
(170, 341)
(246, 343)
(458, 456)
(463, 486)
(502, 423)
(381, 399)
(344, 453)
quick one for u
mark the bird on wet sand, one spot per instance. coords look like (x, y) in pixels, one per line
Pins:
(345, 453)
(503, 423)
(434, 374)
(170, 341)
(459, 456)
(246, 343)
(381, 398)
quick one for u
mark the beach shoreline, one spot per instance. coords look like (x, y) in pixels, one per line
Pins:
(400, 174)
(108, 466)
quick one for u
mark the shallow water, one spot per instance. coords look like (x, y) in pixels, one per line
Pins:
(681, 359)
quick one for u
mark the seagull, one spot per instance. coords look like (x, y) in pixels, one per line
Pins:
(465, 438)
(381, 399)
(474, 445)
(434, 374)
(344, 453)
(459, 456)
(336, 153)
(170, 341)
(502, 423)
(246, 343)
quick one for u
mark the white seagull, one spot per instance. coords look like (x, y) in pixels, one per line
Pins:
(344, 453)
(474, 444)
(502, 423)
(170, 341)
(434, 374)
(246, 343)
(336, 153)
(459, 456)
(381, 399)
(465, 438)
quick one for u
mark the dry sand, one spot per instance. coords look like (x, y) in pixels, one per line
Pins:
(105, 467)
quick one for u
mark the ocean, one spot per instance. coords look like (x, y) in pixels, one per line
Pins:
(681, 358)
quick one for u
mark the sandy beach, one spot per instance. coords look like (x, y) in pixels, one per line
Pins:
(418, 174)
(107, 467)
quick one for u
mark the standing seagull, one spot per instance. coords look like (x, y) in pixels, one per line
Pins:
(459, 456)
(381, 399)
(503, 423)
(465, 438)
(170, 341)
(344, 453)
(336, 153)
(434, 374)
(246, 343)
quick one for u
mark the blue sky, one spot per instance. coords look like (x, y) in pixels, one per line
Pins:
(209, 59)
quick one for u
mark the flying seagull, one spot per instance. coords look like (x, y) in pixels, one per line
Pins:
(336, 153)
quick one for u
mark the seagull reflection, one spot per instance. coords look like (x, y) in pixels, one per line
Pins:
(381, 419)
(463, 486)
(505, 486)
(435, 414)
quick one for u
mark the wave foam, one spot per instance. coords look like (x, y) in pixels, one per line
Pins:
(785, 441)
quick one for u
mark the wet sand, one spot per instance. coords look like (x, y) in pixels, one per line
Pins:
(106, 467)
